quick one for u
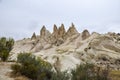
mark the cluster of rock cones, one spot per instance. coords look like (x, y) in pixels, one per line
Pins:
(59, 35)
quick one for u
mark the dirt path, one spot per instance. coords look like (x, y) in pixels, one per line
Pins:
(5, 70)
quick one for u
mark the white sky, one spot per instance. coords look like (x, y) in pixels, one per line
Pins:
(20, 18)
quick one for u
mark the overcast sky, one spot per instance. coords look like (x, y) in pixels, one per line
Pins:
(20, 18)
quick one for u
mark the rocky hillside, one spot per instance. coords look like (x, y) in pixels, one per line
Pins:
(65, 49)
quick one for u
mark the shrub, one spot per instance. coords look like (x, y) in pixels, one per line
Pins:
(37, 69)
(82, 72)
(4, 54)
(89, 72)
(60, 76)
(5, 47)
(33, 68)
(16, 68)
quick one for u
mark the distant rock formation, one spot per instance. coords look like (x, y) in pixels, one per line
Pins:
(72, 30)
(44, 32)
(61, 31)
(33, 36)
(55, 32)
(85, 34)
(71, 47)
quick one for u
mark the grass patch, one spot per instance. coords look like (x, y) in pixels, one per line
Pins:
(115, 75)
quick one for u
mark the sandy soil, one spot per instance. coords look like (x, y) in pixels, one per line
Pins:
(5, 71)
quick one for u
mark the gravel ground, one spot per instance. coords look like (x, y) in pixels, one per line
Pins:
(5, 70)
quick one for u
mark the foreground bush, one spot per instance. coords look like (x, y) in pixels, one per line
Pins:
(37, 69)
(90, 72)
(33, 68)
(5, 47)
(60, 76)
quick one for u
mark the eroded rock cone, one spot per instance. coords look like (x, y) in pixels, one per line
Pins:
(44, 33)
(55, 32)
(58, 35)
(71, 31)
(61, 31)
(33, 36)
(85, 34)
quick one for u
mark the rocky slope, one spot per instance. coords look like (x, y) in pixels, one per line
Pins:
(65, 49)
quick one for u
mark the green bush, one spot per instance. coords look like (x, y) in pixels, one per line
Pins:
(89, 72)
(37, 69)
(4, 54)
(60, 76)
(16, 68)
(5, 47)
(33, 68)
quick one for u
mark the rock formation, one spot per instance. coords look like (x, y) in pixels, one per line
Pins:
(33, 36)
(55, 32)
(44, 32)
(72, 30)
(61, 31)
(85, 34)
(72, 47)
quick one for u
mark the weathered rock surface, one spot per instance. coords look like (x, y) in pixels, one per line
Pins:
(72, 47)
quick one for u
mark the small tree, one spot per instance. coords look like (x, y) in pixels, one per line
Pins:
(5, 47)
(33, 68)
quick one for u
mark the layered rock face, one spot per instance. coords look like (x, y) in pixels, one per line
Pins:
(71, 47)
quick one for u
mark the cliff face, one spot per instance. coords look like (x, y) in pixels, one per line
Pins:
(71, 47)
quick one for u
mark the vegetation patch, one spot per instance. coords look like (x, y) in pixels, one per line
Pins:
(90, 72)
(38, 69)
(33, 68)
(6, 46)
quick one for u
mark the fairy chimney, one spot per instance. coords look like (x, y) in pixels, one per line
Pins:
(85, 34)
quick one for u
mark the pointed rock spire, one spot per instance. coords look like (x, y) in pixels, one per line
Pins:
(55, 31)
(85, 34)
(33, 36)
(72, 30)
(73, 25)
(44, 32)
(61, 31)
(55, 28)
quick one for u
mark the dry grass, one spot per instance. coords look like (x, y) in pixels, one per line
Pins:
(115, 75)
(21, 78)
